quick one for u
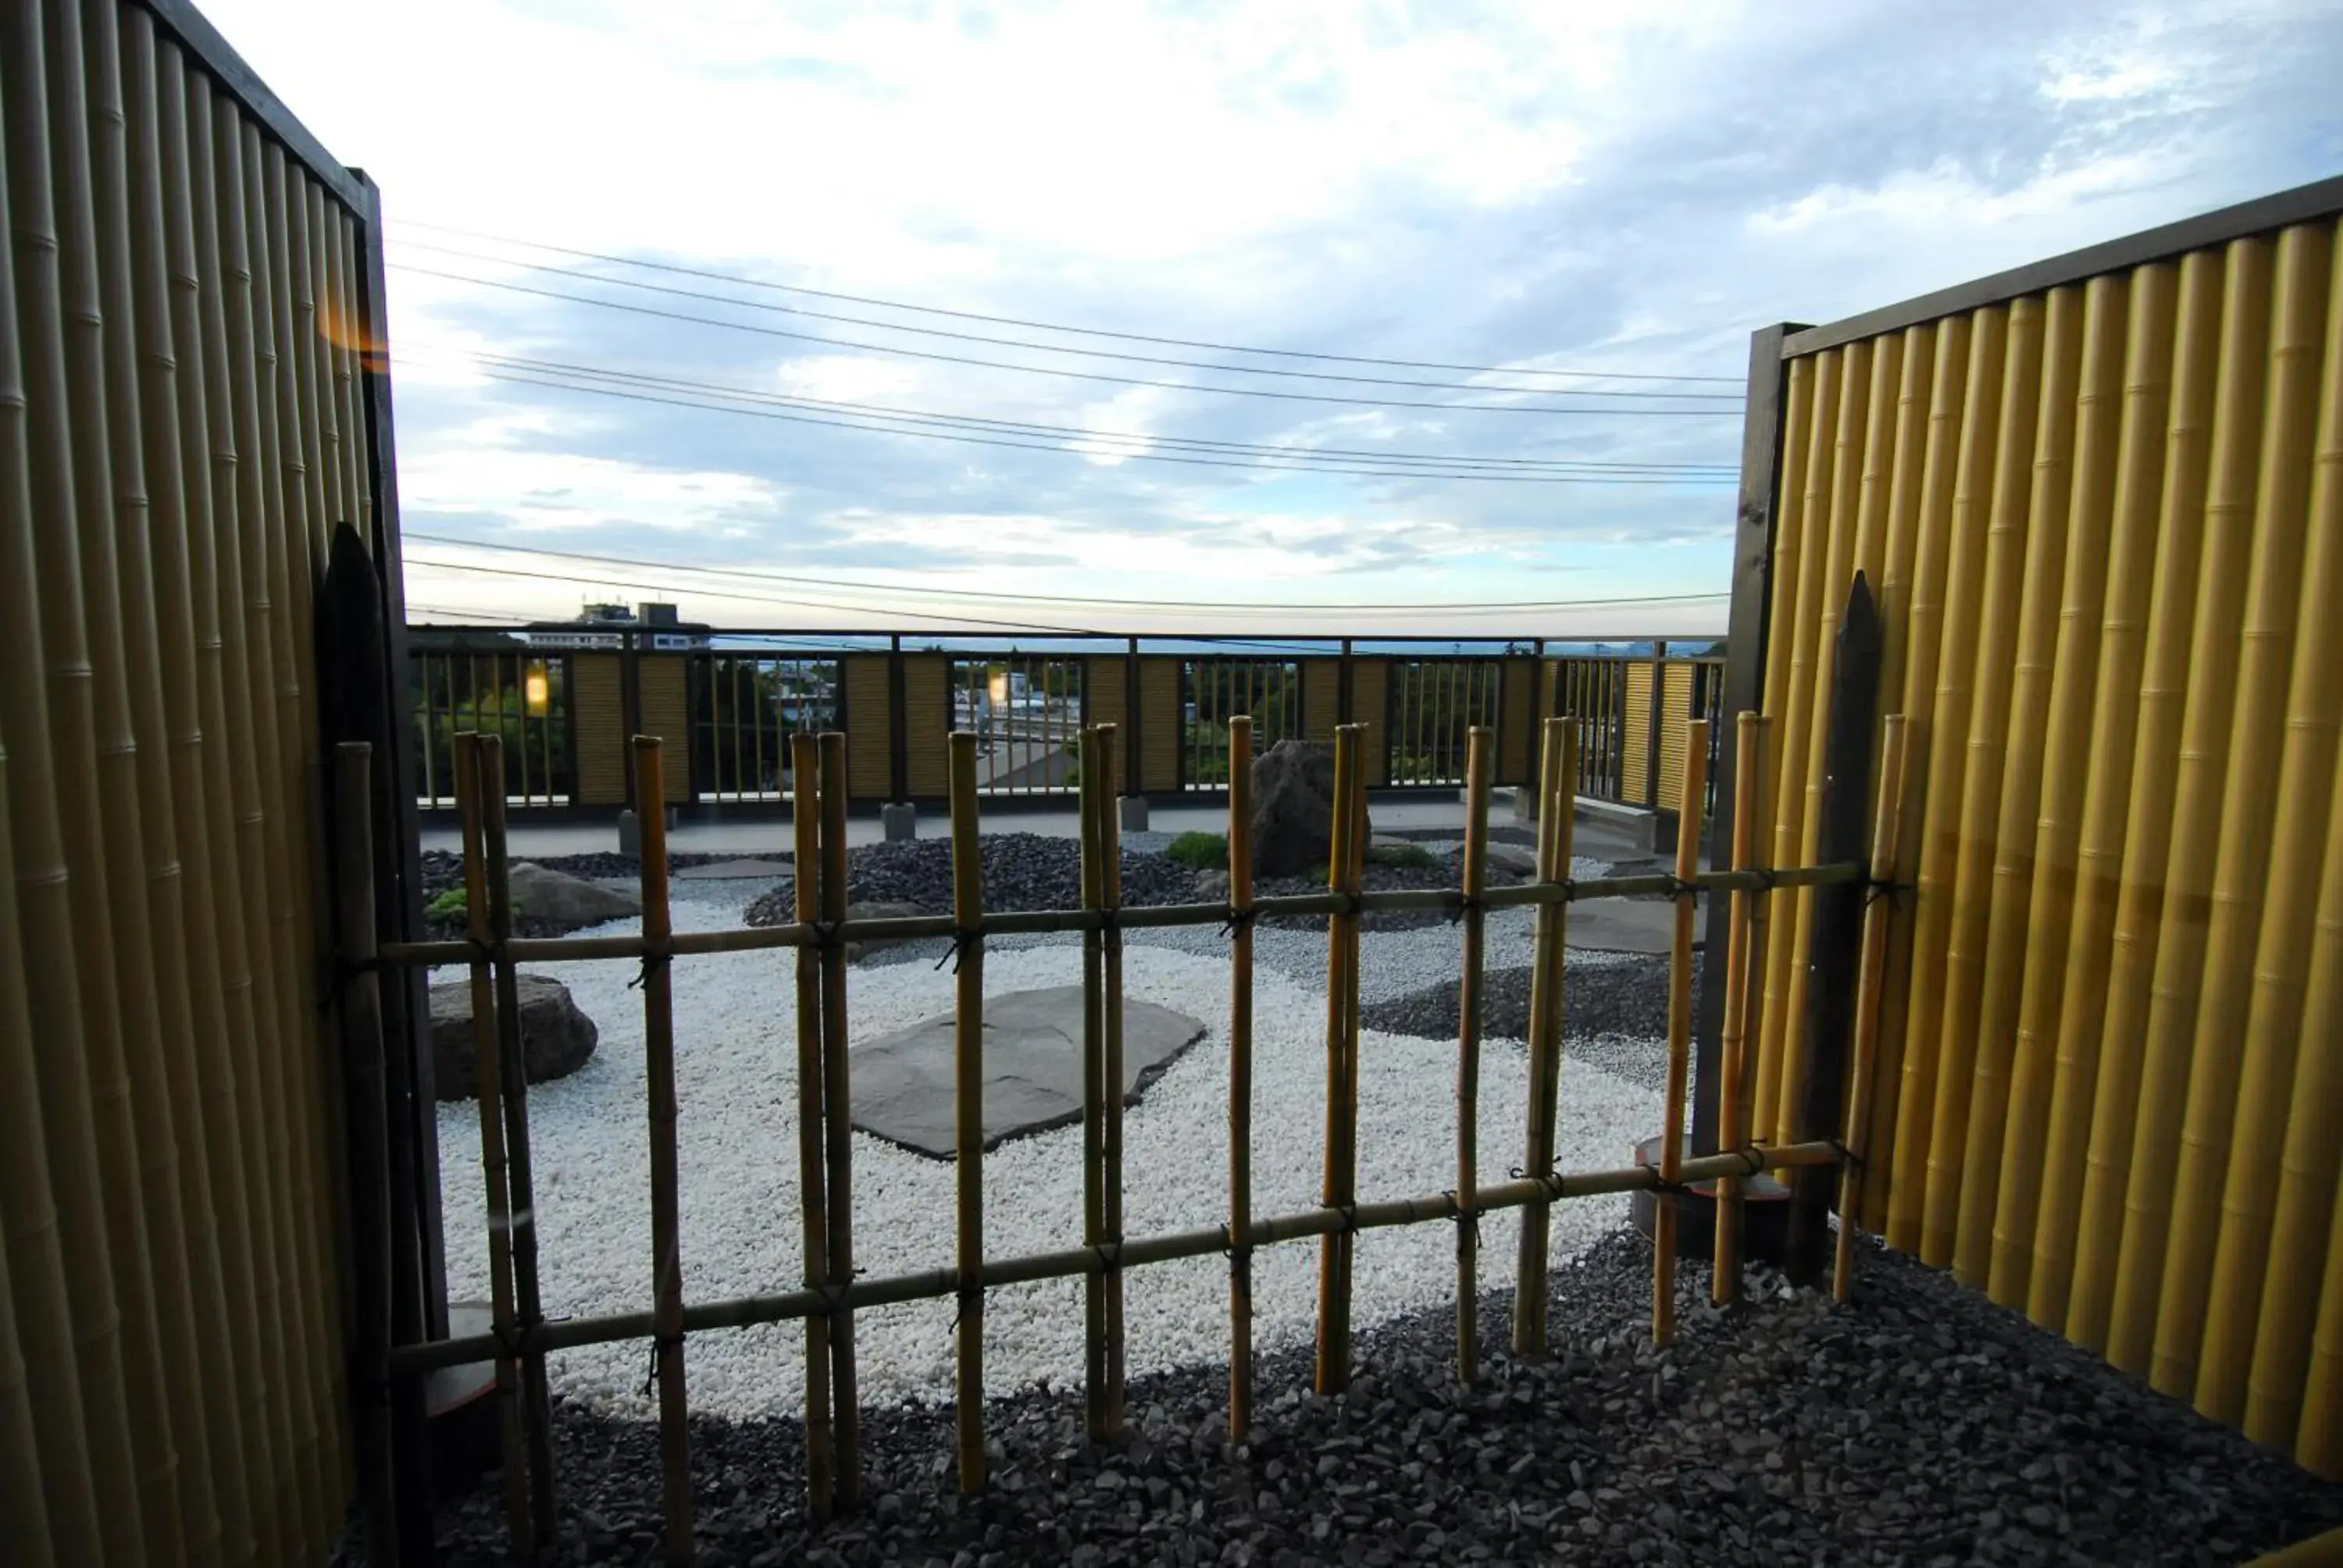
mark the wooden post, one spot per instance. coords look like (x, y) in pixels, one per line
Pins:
(967, 1103)
(486, 1083)
(1475, 882)
(1732, 1101)
(667, 1238)
(1835, 932)
(1665, 1212)
(1877, 914)
(1337, 1187)
(512, 1074)
(1095, 1409)
(1557, 776)
(1240, 1078)
(369, 1149)
(838, 1126)
(805, 822)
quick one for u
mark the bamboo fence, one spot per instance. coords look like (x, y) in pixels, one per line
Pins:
(177, 1268)
(2108, 498)
(832, 1292)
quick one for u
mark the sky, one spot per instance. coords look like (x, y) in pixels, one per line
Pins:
(1545, 187)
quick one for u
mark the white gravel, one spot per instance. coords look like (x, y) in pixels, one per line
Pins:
(735, 1041)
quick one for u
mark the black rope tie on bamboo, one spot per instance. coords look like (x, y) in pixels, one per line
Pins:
(1847, 1158)
(1240, 1256)
(962, 939)
(1468, 1219)
(661, 1345)
(1550, 1181)
(1465, 905)
(643, 975)
(1763, 876)
(345, 973)
(1873, 892)
(1238, 921)
(1681, 887)
(968, 1307)
(826, 933)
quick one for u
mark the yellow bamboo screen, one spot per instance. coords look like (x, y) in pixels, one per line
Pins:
(2104, 523)
(183, 422)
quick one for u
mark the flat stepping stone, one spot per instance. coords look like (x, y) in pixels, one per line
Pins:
(733, 870)
(902, 1083)
(1626, 926)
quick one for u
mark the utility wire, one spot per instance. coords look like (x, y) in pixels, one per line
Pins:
(679, 270)
(574, 578)
(1057, 370)
(580, 273)
(1587, 466)
(1078, 600)
(600, 390)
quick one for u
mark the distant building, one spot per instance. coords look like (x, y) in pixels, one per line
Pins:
(603, 626)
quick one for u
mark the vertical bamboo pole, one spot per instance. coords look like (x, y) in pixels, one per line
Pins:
(2280, 785)
(370, 1232)
(1109, 831)
(1094, 1092)
(1798, 622)
(1239, 1078)
(813, 1213)
(247, 615)
(838, 1126)
(147, 1244)
(1558, 767)
(2175, 980)
(2319, 1440)
(1479, 744)
(2025, 964)
(1665, 1216)
(2025, 559)
(967, 1103)
(197, 1064)
(1925, 566)
(1967, 518)
(495, 1168)
(536, 1414)
(73, 1331)
(199, 329)
(1844, 514)
(1876, 916)
(2158, 390)
(2280, 1185)
(1335, 1190)
(666, 1227)
(1732, 1115)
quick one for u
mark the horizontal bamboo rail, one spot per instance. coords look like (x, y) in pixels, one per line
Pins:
(932, 1284)
(1028, 923)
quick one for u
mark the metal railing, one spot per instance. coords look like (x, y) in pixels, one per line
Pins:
(732, 701)
(516, 693)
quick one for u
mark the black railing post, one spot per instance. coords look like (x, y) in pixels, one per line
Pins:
(630, 707)
(1658, 726)
(1745, 677)
(1134, 780)
(1835, 932)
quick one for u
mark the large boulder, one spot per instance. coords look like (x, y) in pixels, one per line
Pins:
(1293, 807)
(878, 910)
(557, 1037)
(566, 901)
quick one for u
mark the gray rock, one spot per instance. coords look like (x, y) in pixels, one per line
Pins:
(1293, 806)
(902, 1083)
(557, 1037)
(880, 910)
(1512, 858)
(568, 901)
(1212, 887)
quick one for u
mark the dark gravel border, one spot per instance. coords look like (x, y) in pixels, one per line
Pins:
(1615, 1010)
(1917, 1424)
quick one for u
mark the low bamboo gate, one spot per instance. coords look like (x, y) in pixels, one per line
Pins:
(826, 1304)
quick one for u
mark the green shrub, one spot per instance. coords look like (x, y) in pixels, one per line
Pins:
(1400, 854)
(1199, 851)
(449, 905)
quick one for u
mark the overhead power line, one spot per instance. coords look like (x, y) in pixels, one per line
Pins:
(1077, 600)
(683, 271)
(1062, 372)
(746, 410)
(1092, 442)
(580, 273)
